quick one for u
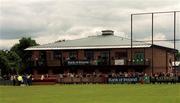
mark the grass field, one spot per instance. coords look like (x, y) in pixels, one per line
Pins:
(91, 94)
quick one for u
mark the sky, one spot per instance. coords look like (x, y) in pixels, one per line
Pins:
(47, 21)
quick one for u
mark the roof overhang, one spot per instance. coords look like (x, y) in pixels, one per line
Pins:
(86, 47)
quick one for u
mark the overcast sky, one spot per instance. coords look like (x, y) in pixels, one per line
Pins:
(47, 21)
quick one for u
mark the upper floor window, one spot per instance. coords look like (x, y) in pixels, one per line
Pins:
(89, 55)
(138, 58)
(73, 55)
(104, 55)
(56, 55)
(42, 56)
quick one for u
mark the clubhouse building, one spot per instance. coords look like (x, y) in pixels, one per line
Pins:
(105, 53)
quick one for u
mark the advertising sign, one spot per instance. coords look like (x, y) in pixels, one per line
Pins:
(78, 62)
(123, 80)
(119, 62)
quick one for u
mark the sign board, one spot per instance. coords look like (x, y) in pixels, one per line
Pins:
(78, 62)
(123, 80)
(119, 62)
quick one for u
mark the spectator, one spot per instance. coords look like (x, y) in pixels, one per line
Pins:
(29, 79)
(20, 80)
(42, 77)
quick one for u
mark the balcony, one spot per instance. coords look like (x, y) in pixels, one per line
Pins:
(107, 62)
(98, 62)
(140, 62)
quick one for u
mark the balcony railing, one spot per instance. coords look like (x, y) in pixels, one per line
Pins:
(138, 62)
(104, 62)
(107, 62)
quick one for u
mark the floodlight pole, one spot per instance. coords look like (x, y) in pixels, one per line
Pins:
(131, 37)
(152, 13)
(151, 39)
(174, 30)
(152, 35)
(174, 40)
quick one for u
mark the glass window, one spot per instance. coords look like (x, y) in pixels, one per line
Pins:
(42, 55)
(139, 58)
(104, 58)
(73, 55)
(42, 58)
(105, 55)
(89, 55)
(56, 54)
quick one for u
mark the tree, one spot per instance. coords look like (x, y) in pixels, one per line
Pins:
(25, 56)
(14, 60)
(178, 56)
(4, 63)
(23, 44)
(9, 61)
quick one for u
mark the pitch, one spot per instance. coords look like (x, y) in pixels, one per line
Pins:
(91, 93)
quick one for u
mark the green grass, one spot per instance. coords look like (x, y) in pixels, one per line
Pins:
(91, 94)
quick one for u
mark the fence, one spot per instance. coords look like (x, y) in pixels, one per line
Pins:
(100, 80)
(6, 82)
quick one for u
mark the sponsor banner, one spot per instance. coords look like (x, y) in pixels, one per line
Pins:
(161, 79)
(119, 62)
(78, 62)
(123, 80)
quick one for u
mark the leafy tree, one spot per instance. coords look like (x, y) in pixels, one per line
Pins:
(25, 56)
(14, 60)
(4, 63)
(178, 56)
(9, 61)
(23, 44)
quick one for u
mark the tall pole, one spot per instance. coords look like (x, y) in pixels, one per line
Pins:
(174, 38)
(152, 43)
(152, 13)
(131, 37)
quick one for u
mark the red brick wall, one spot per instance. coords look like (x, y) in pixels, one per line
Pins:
(80, 54)
(35, 55)
(65, 54)
(161, 57)
(50, 59)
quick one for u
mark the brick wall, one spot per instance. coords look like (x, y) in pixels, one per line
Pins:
(161, 57)
(51, 61)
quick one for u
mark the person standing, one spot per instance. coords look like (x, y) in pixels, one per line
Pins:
(14, 79)
(24, 79)
(20, 80)
(29, 79)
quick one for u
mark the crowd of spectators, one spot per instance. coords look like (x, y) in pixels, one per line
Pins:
(142, 77)
(164, 78)
(94, 74)
(119, 74)
(27, 79)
